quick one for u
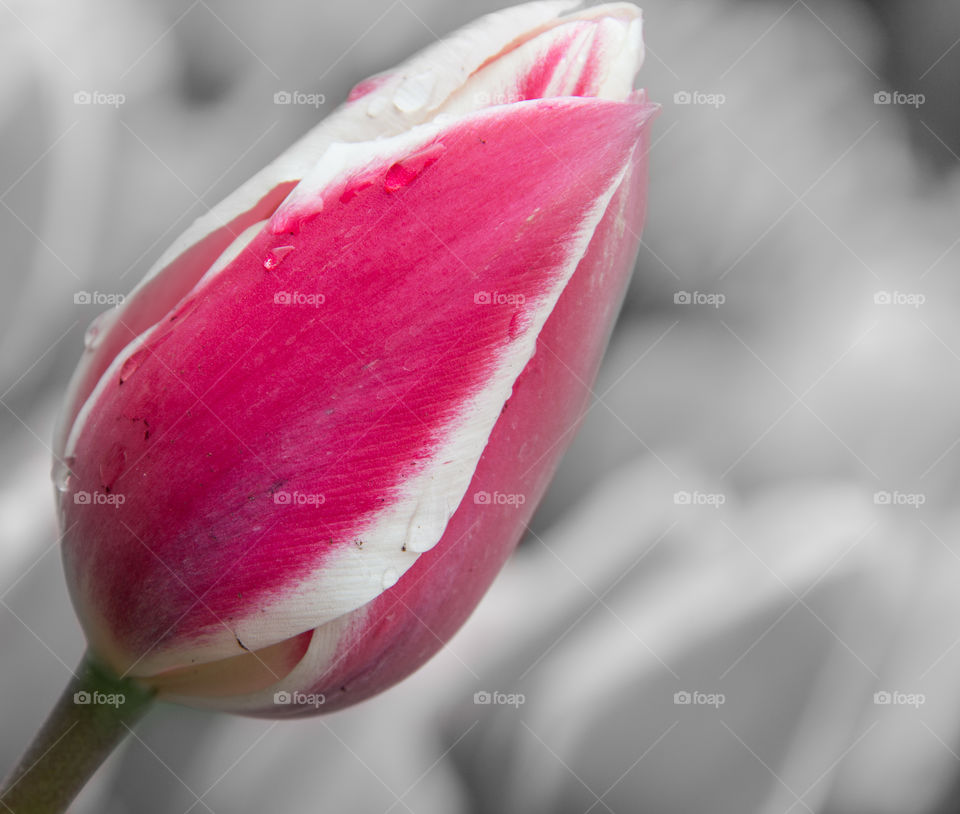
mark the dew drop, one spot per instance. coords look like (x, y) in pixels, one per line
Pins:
(390, 578)
(416, 543)
(62, 475)
(275, 257)
(112, 465)
(405, 171)
(129, 367)
(415, 91)
(351, 190)
(290, 222)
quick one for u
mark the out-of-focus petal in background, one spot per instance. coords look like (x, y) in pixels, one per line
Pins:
(739, 594)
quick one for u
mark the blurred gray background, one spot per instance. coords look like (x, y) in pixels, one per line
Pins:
(740, 594)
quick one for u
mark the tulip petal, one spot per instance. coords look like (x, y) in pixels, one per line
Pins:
(366, 396)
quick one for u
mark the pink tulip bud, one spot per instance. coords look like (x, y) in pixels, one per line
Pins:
(293, 460)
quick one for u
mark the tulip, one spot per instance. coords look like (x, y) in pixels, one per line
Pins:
(302, 448)
(295, 457)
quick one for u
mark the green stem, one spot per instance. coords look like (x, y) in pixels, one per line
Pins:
(92, 716)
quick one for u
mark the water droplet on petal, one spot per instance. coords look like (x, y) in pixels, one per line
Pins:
(429, 519)
(275, 256)
(405, 171)
(290, 221)
(390, 578)
(129, 367)
(415, 91)
(62, 474)
(417, 544)
(112, 465)
(351, 190)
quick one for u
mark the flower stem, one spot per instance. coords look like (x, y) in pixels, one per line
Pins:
(92, 716)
